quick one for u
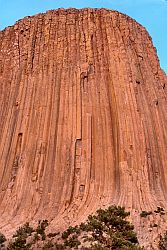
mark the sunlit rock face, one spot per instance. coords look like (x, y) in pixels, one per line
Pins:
(83, 120)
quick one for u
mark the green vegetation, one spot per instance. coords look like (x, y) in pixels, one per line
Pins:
(72, 242)
(20, 237)
(69, 231)
(145, 213)
(2, 240)
(51, 235)
(48, 245)
(106, 229)
(18, 244)
(24, 231)
(163, 242)
(59, 246)
(41, 228)
(160, 210)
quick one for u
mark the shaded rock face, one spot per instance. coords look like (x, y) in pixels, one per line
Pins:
(83, 121)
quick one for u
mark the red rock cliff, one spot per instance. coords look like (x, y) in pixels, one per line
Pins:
(83, 121)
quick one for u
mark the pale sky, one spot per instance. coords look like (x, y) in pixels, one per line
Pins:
(152, 14)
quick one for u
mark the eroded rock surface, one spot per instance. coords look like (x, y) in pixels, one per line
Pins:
(83, 120)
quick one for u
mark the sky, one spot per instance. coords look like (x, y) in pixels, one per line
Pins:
(152, 14)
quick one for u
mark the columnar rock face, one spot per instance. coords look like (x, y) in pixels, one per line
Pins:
(83, 120)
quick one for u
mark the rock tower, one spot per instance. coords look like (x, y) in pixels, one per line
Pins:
(83, 120)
